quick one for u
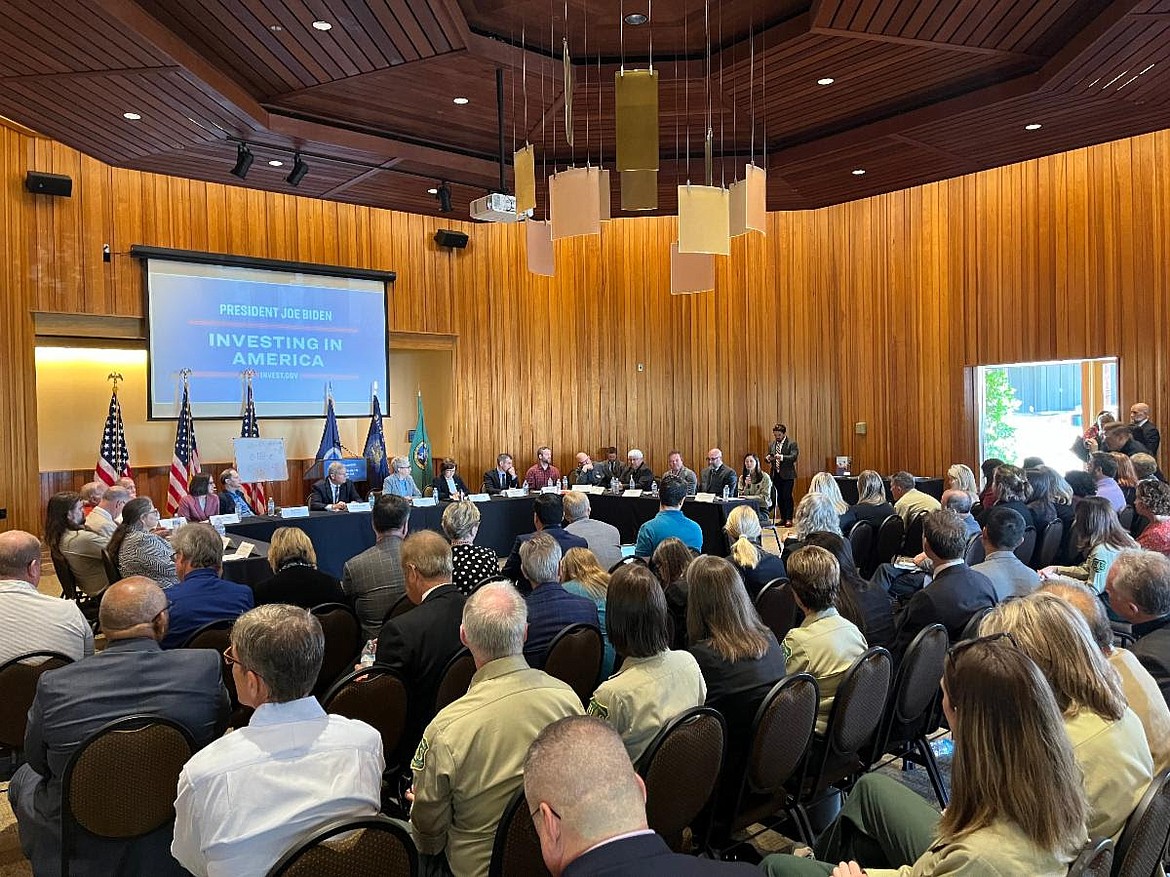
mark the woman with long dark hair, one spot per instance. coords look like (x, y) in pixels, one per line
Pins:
(755, 483)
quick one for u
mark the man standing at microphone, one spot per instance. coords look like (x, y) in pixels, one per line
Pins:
(782, 454)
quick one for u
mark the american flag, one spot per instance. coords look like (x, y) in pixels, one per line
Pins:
(113, 456)
(253, 493)
(185, 462)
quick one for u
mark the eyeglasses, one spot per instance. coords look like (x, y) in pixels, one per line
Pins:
(166, 608)
(229, 657)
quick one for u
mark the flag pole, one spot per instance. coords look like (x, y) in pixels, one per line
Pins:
(115, 377)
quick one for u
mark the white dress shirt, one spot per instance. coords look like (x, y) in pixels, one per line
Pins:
(249, 797)
(36, 622)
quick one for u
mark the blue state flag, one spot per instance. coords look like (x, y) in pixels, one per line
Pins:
(375, 452)
(331, 438)
(420, 451)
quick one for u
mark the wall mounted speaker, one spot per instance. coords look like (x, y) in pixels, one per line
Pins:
(48, 184)
(456, 240)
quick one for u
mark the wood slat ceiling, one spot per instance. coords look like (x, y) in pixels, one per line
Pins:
(923, 89)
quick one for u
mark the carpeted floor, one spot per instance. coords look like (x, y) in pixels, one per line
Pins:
(12, 862)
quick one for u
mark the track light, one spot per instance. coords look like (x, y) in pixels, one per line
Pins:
(244, 159)
(298, 171)
(444, 196)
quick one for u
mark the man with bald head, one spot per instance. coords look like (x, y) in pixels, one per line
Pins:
(717, 475)
(589, 807)
(131, 676)
(103, 519)
(32, 621)
(1144, 430)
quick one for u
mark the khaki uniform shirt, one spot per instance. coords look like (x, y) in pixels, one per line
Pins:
(914, 501)
(469, 762)
(1145, 699)
(999, 850)
(1115, 760)
(646, 694)
(825, 646)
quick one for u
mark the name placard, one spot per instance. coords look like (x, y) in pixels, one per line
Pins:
(551, 488)
(172, 523)
(296, 511)
(422, 501)
(514, 492)
(479, 497)
(588, 488)
(243, 550)
(224, 520)
(357, 507)
(704, 497)
(633, 493)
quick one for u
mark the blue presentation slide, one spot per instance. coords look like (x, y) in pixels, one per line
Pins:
(299, 333)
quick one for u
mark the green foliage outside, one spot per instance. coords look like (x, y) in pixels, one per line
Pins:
(999, 401)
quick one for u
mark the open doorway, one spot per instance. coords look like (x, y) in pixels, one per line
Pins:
(1038, 409)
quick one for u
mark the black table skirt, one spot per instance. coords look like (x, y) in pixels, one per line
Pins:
(251, 570)
(338, 536)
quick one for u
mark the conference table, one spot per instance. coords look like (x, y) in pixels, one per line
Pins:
(338, 536)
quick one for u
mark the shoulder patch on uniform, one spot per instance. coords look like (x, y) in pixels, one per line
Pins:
(419, 762)
(597, 709)
(787, 649)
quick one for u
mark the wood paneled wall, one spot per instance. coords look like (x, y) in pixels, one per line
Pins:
(868, 311)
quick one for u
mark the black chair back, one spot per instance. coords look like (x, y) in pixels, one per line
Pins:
(1125, 518)
(971, 628)
(488, 579)
(1095, 859)
(456, 679)
(862, 539)
(18, 687)
(912, 544)
(575, 656)
(87, 604)
(975, 552)
(777, 607)
(376, 696)
(343, 643)
(213, 635)
(371, 846)
(624, 561)
(1047, 545)
(1139, 848)
(680, 768)
(110, 563)
(890, 536)
(1027, 548)
(516, 849)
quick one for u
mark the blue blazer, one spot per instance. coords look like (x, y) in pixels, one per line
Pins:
(564, 538)
(550, 610)
(201, 598)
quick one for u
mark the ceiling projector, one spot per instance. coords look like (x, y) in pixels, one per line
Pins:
(496, 207)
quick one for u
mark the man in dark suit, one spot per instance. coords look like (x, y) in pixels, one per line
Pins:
(589, 808)
(334, 492)
(418, 644)
(550, 607)
(782, 454)
(503, 477)
(717, 476)
(132, 675)
(955, 593)
(373, 580)
(231, 497)
(1144, 430)
(548, 512)
(1138, 586)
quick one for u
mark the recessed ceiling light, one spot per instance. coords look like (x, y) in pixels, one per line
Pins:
(828, 80)
(636, 18)
(858, 171)
(459, 100)
(275, 28)
(432, 191)
(276, 162)
(1032, 127)
(133, 117)
(322, 25)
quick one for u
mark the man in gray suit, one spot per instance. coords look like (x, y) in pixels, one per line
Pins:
(1003, 532)
(131, 676)
(373, 580)
(604, 539)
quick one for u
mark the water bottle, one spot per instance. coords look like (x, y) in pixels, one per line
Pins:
(654, 488)
(631, 482)
(271, 506)
(726, 492)
(369, 653)
(564, 483)
(613, 486)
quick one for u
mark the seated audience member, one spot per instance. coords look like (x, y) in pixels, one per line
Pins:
(1153, 503)
(1032, 463)
(1120, 437)
(470, 760)
(1107, 737)
(92, 493)
(1103, 469)
(756, 484)
(1012, 491)
(959, 502)
(542, 473)
(251, 796)
(502, 478)
(581, 575)
(296, 579)
(32, 621)
(449, 486)
(825, 483)
(471, 563)
(1126, 476)
(550, 607)
(1138, 587)
(955, 593)
(636, 469)
(400, 482)
(103, 520)
(901, 580)
(825, 644)
(335, 491)
(138, 549)
(755, 566)
(676, 467)
(1144, 466)
(960, 477)
(909, 501)
(1099, 536)
(130, 485)
(82, 548)
(669, 564)
(586, 472)
(199, 504)
(603, 539)
(717, 476)
(201, 596)
(1002, 820)
(1081, 483)
(130, 676)
(814, 514)
(988, 467)
(872, 504)
(548, 513)
(670, 520)
(1139, 687)
(418, 644)
(654, 683)
(589, 808)
(1003, 531)
(231, 495)
(373, 580)
(1042, 501)
(861, 602)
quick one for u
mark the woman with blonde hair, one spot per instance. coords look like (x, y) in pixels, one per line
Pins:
(470, 563)
(1017, 806)
(756, 566)
(582, 575)
(1107, 738)
(872, 503)
(297, 579)
(826, 484)
(815, 513)
(960, 477)
(755, 483)
(1099, 535)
